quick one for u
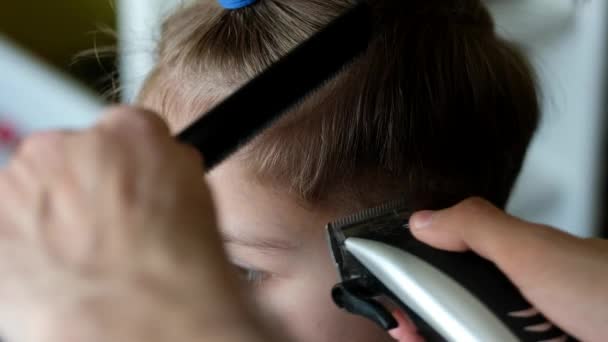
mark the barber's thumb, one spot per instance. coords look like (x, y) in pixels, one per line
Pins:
(472, 224)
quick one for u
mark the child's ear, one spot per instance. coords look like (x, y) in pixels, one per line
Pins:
(406, 331)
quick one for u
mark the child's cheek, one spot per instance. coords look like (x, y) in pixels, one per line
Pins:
(301, 307)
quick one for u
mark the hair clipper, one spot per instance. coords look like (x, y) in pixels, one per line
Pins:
(449, 296)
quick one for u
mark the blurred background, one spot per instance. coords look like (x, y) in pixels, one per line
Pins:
(101, 43)
(76, 36)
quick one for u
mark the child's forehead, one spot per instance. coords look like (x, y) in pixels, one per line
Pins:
(247, 207)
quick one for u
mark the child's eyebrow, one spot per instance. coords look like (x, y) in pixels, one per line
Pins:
(265, 244)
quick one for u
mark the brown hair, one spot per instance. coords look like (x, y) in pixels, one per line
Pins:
(440, 108)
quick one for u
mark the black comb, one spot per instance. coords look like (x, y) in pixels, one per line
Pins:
(238, 119)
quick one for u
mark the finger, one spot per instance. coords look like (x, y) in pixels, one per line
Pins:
(133, 122)
(472, 224)
(20, 175)
(9, 201)
(509, 242)
(20, 207)
(406, 331)
(41, 154)
(192, 157)
(40, 142)
(39, 161)
(39, 164)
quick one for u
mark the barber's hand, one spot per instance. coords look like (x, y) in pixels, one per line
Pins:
(565, 277)
(109, 235)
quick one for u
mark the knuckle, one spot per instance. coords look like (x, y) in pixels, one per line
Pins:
(474, 205)
(102, 145)
(598, 243)
(472, 211)
(118, 112)
(40, 143)
(192, 155)
(30, 145)
(5, 180)
(98, 139)
(134, 120)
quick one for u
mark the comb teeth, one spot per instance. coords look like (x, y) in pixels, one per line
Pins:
(368, 214)
(261, 101)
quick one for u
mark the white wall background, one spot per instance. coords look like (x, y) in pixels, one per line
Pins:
(139, 27)
(566, 39)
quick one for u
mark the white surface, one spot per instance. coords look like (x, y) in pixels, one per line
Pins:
(33, 97)
(566, 42)
(139, 27)
(533, 20)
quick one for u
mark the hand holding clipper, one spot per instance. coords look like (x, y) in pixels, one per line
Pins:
(565, 277)
(450, 296)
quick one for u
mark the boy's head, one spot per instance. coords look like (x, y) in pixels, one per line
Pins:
(437, 110)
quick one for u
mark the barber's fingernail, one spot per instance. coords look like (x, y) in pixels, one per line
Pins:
(422, 219)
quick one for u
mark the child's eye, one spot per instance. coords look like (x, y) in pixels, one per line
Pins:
(252, 276)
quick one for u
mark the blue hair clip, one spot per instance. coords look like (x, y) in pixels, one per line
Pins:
(236, 4)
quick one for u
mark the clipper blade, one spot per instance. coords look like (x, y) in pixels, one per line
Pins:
(388, 223)
(359, 291)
